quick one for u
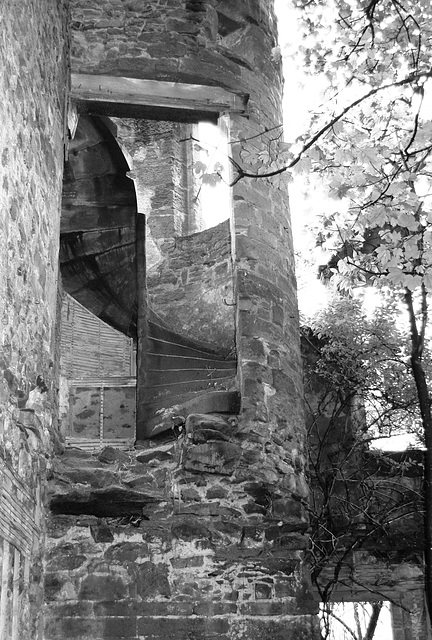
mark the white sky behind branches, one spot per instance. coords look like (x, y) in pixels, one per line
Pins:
(303, 95)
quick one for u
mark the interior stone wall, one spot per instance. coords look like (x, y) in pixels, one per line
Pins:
(189, 276)
(192, 289)
(151, 147)
(33, 84)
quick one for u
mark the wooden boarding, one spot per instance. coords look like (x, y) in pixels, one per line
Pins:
(110, 408)
(91, 350)
(18, 512)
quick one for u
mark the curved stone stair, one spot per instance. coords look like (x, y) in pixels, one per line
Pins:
(181, 371)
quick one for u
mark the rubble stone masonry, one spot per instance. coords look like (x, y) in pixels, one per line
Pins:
(33, 85)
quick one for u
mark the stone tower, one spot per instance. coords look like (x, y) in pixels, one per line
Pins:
(153, 464)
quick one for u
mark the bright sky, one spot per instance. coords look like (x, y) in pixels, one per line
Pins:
(301, 94)
(345, 611)
(215, 199)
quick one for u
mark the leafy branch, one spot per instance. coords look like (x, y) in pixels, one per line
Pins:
(242, 173)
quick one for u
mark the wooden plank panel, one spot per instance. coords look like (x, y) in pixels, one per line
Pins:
(78, 244)
(92, 349)
(181, 376)
(115, 381)
(15, 524)
(119, 413)
(85, 412)
(17, 512)
(84, 217)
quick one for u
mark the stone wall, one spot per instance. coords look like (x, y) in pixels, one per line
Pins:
(167, 543)
(410, 618)
(164, 40)
(33, 82)
(202, 531)
(158, 162)
(231, 46)
(267, 329)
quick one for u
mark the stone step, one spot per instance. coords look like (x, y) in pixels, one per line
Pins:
(212, 401)
(165, 340)
(208, 374)
(181, 370)
(167, 394)
(163, 361)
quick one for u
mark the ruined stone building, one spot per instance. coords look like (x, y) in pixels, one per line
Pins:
(153, 444)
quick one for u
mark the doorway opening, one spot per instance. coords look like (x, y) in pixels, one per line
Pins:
(137, 281)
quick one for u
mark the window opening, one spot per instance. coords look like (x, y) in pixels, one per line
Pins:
(211, 173)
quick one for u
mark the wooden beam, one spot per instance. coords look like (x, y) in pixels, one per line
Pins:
(154, 93)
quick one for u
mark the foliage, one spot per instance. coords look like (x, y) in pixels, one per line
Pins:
(356, 493)
(362, 501)
(367, 356)
(371, 138)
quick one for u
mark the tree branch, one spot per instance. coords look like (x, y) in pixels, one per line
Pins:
(268, 174)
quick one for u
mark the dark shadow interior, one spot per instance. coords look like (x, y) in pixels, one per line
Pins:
(98, 226)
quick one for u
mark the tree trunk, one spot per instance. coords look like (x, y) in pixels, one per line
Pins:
(424, 400)
(370, 631)
(417, 339)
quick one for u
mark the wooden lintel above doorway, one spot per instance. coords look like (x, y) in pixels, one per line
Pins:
(152, 99)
